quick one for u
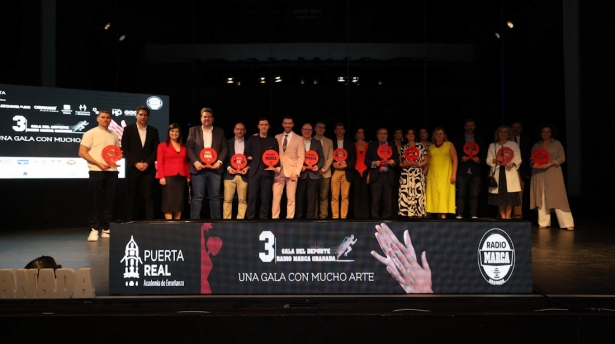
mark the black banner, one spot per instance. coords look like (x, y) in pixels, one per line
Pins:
(153, 258)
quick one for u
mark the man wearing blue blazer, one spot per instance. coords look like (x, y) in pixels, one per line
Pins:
(205, 178)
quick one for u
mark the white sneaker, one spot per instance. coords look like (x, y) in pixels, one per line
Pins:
(459, 217)
(93, 235)
(105, 233)
(474, 217)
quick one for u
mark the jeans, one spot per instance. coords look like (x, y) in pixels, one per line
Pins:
(465, 184)
(206, 179)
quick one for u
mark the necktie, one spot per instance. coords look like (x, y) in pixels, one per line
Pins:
(285, 143)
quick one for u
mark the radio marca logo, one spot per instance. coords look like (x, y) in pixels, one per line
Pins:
(496, 256)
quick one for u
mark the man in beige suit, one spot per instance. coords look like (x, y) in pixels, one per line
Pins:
(292, 154)
(325, 171)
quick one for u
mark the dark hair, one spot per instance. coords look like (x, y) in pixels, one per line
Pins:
(104, 111)
(288, 117)
(554, 131)
(340, 124)
(171, 127)
(206, 109)
(263, 119)
(469, 119)
(142, 107)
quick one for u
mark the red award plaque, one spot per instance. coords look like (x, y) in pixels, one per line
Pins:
(311, 158)
(384, 152)
(471, 149)
(541, 156)
(507, 154)
(111, 154)
(208, 156)
(271, 157)
(411, 153)
(340, 155)
(239, 161)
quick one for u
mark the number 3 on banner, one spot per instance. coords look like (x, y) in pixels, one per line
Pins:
(269, 240)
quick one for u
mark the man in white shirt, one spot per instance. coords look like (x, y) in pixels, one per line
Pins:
(235, 180)
(103, 176)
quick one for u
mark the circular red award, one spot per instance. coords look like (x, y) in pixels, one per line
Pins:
(471, 149)
(507, 154)
(541, 156)
(271, 157)
(411, 153)
(311, 158)
(208, 156)
(340, 155)
(111, 154)
(239, 161)
(385, 152)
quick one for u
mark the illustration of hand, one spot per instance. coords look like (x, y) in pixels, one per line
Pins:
(401, 261)
(118, 129)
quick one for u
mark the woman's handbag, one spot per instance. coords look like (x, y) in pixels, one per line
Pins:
(492, 182)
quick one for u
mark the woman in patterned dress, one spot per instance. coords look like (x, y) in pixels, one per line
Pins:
(412, 180)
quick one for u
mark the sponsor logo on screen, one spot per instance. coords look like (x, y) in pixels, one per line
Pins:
(66, 109)
(82, 110)
(154, 103)
(130, 112)
(43, 108)
(496, 256)
(155, 265)
(131, 261)
(116, 112)
(23, 162)
(315, 253)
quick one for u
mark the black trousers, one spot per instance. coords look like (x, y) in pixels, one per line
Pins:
(101, 187)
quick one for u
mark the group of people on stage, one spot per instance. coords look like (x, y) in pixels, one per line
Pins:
(412, 178)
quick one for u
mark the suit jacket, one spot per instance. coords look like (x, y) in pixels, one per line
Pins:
(315, 146)
(170, 163)
(525, 146)
(253, 149)
(194, 146)
(231, 151)
(463, 167)
(291, 160)
(350, 160)
(327, 149)
(135, 152)
(372, 155)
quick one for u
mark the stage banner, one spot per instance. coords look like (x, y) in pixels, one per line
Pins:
(311, 257)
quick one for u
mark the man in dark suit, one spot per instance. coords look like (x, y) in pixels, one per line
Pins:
(308, 184)
(260, 179)
(235, 180)
(525, 171)
(468, 170)
(381, 179)
(342, 173)
(139, 146)
(204, 177)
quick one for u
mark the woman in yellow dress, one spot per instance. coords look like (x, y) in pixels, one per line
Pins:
(442, 175)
